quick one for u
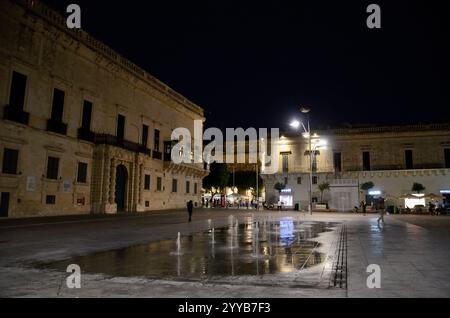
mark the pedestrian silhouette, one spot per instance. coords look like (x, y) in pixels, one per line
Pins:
(190, 207)
(382, 210)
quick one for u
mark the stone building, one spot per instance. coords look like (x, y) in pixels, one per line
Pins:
(393, 158)
(83, 130)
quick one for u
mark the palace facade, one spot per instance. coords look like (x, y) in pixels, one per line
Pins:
(83, 130)
(392, 158)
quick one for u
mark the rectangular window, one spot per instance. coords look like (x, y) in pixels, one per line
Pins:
(147, 182)
(50, 199)
(87, 116)
(299, 180)
(158, 184)
(314, 163)
(188, 187)
(447, 158)
(17, 92)
(366, 161)
(82, 172)
(120, 127)
(156, 139)
(174, 185)
(337, 160)
(10, 159)
(314, 179)
(409, 159)
(58, 105)
(52, 168)
(147, 204)
(195, 188)
(285, 163)
(144, 135)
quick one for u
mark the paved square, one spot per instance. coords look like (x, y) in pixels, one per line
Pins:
(411, 251)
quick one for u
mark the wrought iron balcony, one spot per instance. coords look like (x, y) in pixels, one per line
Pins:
(86, 134)
(157, 155)
(105, 139)
(57, 126)
(16, 114)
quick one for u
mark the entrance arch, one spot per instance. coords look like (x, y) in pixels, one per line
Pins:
(121, 187)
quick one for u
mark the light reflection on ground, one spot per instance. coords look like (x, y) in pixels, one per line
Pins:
(250, 248)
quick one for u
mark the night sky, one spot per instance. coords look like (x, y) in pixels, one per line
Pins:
(254, 63)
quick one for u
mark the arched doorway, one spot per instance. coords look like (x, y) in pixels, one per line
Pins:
(121, 187)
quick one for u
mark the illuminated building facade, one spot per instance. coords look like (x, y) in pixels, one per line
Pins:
(393, 158)
(83, 130)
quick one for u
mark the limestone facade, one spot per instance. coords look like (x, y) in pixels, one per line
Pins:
(83, 130)
(393, 158)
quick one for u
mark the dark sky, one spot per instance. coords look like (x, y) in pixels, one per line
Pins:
(253, 63)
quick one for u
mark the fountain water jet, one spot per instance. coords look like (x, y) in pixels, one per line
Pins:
(178, 243)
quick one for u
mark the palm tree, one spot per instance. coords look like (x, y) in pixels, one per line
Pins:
(322, 187)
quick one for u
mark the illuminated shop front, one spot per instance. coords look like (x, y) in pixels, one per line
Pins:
(287, 197)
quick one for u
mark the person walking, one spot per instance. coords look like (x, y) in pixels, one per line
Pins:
(363, 207)
(279, 205)
(190, 208)
(381, 210)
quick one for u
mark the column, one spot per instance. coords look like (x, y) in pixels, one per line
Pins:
(105, 177)
(141, 183)
(112, 182)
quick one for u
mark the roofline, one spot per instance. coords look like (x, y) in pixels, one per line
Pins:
(56, 19)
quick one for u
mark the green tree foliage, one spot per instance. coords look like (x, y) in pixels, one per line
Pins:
(218, 177)
(279, 186)
(366, 186)
(246, 179)
(418, 187)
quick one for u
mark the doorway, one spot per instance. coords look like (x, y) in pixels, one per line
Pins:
(121, 188)
(4, 204)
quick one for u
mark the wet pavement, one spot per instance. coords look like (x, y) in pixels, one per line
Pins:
(115, 255)
(264, 247)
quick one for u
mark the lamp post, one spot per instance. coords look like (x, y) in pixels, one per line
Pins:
(307, 134)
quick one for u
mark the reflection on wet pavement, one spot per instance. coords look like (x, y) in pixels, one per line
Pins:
(247, 248)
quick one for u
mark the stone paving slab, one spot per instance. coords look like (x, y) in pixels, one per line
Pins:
(411, 250)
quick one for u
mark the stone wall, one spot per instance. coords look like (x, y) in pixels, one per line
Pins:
(34, 43)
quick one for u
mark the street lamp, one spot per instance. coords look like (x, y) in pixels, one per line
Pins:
(307, 135)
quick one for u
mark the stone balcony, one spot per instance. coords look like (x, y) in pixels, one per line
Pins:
(194, 169)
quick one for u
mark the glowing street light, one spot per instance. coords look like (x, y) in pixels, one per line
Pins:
(307, 135)
(295, 124)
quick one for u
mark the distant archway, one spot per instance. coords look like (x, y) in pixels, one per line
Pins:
(121, 187)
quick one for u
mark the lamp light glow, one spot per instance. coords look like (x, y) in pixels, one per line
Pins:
(295, 124)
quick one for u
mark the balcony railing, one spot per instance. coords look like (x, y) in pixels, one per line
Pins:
(86, 134)
(56, 126)
(105, 139)
(16, 114)
(157, 155)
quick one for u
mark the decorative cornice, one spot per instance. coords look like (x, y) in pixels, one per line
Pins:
(55, 19)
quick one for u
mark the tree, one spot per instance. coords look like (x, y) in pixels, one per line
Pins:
(366, 186)
(322, 187)
(418, 187)
(244, 180)
(279, 186)
(218, 178)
